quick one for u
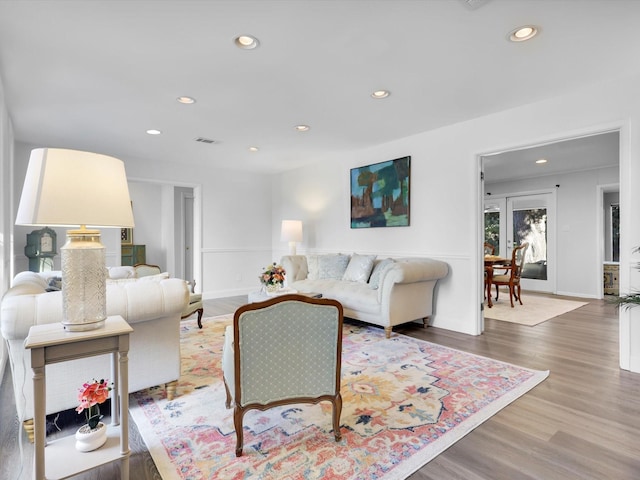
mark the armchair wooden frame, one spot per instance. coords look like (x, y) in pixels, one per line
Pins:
(329, 381)
(512, 274)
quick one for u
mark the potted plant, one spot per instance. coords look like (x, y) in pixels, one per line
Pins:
(93, 434)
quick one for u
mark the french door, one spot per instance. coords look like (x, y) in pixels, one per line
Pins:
(512, 220)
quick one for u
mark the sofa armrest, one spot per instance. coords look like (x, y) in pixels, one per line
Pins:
(411, 270)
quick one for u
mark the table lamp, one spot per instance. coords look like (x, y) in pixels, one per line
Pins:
(74, 188)
(291, 232)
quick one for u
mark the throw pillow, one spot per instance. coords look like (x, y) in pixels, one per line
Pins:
(312, 267)
(332, 266)
(359, 268)
(378, 272)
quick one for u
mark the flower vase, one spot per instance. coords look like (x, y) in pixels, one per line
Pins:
(273, 288)
(88, 439)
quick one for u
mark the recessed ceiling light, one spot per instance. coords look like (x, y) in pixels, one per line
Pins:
(154, 132)
(186, 100)
(302, 128)
(253, 149)
(246, 42)
(381, 94)
(523, 33)
(541, 161)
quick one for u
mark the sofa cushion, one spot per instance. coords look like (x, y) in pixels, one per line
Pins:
(352, 295)
(378, 272)
(359, 268)
(332, 266)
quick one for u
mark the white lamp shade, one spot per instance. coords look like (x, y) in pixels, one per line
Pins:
(70, 187)
(291, 231)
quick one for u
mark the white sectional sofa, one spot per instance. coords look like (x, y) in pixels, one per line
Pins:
(385, 292)
(151, 305)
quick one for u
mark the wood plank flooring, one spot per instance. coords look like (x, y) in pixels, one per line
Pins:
(583, 422)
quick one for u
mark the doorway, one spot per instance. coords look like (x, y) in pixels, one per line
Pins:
(511, 220)
(567, 173)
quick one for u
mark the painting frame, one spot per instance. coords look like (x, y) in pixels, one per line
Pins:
(381, 194)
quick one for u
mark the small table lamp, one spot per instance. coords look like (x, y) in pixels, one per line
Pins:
(291, 232)
(70, 188)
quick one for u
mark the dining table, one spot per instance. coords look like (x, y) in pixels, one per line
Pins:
(490, 262)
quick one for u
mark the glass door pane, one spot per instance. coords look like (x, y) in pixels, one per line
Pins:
(532, 221)
(530, 225)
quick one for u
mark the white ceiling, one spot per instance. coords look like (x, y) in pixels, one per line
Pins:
(579, 154)
(95, 75)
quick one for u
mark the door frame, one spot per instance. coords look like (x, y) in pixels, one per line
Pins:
(552, 233)
(622, 127)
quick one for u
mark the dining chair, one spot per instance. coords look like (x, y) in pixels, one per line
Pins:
(285, 350)
(489, 249)
(511, 276)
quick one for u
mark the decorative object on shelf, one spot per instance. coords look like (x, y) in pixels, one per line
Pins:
(67, 188)
(291, 232)
(126, 236)
(272, 279)
(41, 247)
(93, 434)
(380, 194)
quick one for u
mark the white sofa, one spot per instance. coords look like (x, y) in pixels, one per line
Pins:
(385, 292)
(151, 305)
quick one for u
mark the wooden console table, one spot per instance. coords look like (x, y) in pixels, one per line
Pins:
(52, 344)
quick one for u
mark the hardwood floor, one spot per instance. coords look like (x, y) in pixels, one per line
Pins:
(583, 422)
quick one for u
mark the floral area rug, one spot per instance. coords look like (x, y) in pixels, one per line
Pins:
(404, 402)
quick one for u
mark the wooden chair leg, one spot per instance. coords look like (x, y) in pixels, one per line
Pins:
(337, 411)
(519, 294)
(511, 293)
(200, 311)
(227, 402)
(237, 421)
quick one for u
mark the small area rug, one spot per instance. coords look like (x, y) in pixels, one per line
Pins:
(534, 310)
(404, 402)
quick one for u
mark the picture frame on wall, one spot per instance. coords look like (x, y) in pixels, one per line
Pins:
(126, 236)
(380, 194)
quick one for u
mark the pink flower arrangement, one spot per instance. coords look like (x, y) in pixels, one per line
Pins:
(273, 275)
(90, 396)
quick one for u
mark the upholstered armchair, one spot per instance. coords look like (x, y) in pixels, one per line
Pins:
(195, 304)
(282, 351)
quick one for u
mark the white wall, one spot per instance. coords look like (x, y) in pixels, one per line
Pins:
(146, 201)
(446, 200)
(6, 217)
(578, 271)
(233, 213)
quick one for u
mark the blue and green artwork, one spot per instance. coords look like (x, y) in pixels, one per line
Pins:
(380, 194)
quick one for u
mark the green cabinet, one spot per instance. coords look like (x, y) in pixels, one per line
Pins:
(133, 254)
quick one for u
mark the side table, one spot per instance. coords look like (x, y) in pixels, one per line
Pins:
(50, 343)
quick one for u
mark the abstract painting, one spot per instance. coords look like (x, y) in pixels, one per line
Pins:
(380, 194)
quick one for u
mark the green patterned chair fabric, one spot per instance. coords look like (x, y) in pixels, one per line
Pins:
(282, 351)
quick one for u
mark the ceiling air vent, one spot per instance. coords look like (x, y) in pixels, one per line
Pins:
(474, 4)
(204, 140)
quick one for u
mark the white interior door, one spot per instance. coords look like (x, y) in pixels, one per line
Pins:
(511, 220)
